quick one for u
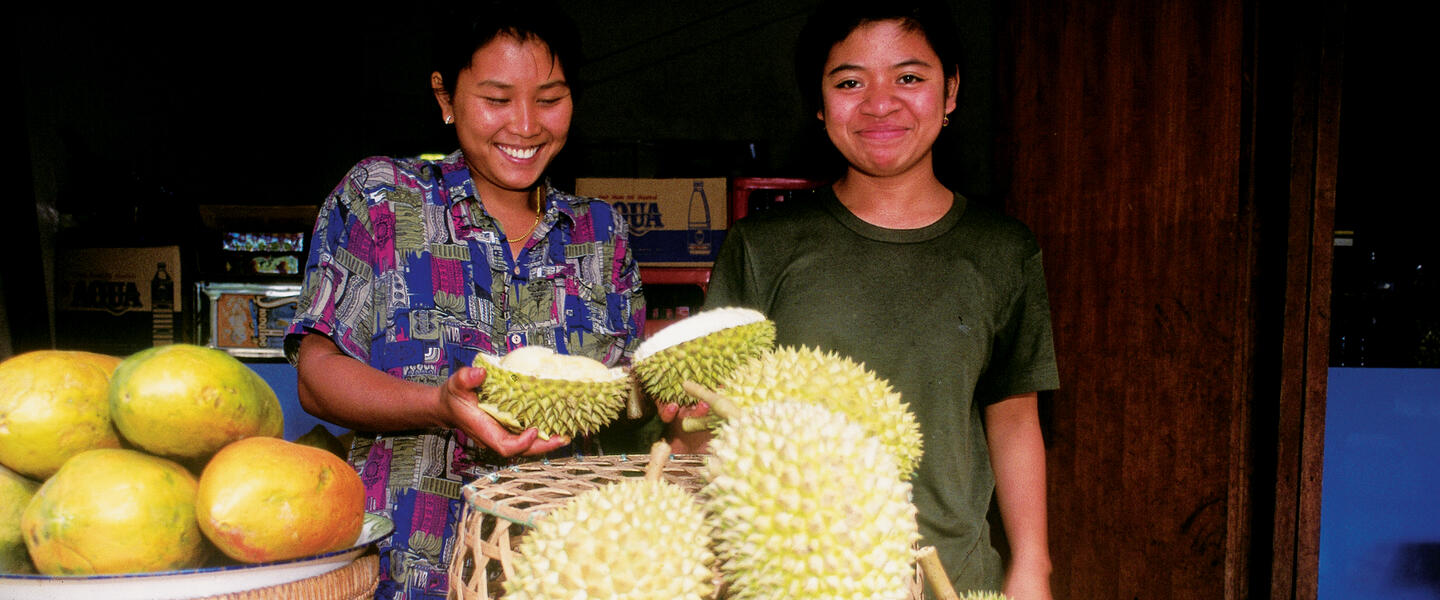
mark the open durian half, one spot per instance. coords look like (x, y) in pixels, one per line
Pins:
(704, 348)
(557, 394)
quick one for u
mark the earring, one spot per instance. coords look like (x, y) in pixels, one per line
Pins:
(449, 119)
(943, 121)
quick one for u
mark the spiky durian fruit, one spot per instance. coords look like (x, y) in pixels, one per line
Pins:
(806, 505)
(835, 381)
(557, 394)
(704, 347)
(642, 539)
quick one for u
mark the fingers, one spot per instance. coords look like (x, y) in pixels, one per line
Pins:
(485, 429)
(539, 446)
(671, 411)
(508, 444)
(468, 378)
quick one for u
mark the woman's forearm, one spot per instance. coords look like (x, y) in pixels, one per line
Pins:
(342, 390)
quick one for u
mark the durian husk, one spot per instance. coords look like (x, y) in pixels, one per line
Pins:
(704, 348)
(643, 539)
(982, 595)
(834, 381)
(553, 404)
(807, 505)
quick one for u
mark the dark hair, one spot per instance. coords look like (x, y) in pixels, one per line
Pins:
(467, 30)
(833, 21)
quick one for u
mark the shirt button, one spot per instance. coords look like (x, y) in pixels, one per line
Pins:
(517, 269)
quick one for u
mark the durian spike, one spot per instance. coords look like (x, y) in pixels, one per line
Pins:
(659, 455)
(935, 574)
(694, 424)
(634, 407)
(719, 406)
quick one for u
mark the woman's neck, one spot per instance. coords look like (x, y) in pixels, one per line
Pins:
(501, 201)
(899, 202)
(517, 212)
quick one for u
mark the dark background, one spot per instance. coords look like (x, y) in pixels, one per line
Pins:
(131, 118)
(124, 106)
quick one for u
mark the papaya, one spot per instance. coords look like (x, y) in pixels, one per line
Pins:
(53, 405)
(264, 499)
(186, 402)
(15, 494)
(114, 511)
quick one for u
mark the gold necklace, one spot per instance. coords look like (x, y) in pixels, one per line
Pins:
(536, 223)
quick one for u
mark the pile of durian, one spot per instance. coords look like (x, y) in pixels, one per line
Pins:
(807, 492)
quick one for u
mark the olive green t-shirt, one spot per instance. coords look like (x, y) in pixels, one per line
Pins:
(954, 315)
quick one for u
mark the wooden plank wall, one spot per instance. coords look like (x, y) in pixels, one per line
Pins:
(1121, 129)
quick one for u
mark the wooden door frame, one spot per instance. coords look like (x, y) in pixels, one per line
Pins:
(1293, 76)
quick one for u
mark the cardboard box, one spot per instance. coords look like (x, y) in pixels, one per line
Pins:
(118, 300)
(673, 222)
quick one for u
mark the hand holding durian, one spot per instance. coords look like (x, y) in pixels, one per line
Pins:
(458, 397)
(559, 395)
(702, 348)
(573, 395)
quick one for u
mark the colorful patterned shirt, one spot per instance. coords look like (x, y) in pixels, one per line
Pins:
(408, 273)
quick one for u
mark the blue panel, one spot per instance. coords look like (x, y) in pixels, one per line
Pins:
(1380, 500)
(281, 377)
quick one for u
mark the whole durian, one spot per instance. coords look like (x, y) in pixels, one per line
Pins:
(704, 348)
(557, 394)
(640, 539)
(807, 505)
(843, 385)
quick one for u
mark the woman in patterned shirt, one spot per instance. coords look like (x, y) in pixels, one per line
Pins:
(416, 266)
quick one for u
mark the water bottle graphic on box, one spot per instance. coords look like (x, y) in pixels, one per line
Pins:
(162, 307)
(699, 221)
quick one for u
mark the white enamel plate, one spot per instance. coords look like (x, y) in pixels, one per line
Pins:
(191, 583)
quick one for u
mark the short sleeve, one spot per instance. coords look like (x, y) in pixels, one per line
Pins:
(339, 274)
(1024, 354)
(731, 278)
(629, 294)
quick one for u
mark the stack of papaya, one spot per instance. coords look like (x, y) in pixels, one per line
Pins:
(167, 459)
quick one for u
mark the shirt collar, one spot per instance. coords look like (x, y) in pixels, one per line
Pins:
(455, 176)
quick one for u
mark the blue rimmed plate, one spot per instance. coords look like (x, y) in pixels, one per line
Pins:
(191, 583)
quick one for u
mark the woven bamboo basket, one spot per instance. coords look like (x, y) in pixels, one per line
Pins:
(355, 581)
(502, 506)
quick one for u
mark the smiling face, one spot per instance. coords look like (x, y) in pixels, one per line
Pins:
(512, 110)
(884, 93)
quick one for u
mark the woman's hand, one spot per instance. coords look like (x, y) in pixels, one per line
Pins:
(458, 402)
(350, 393)
(681, 441)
